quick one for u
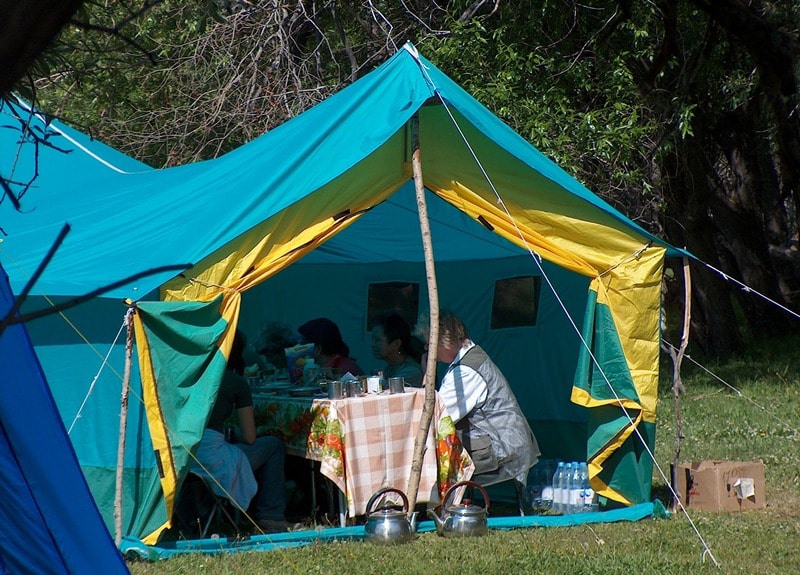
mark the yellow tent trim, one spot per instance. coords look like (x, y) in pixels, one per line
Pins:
(289, 235)
(159, 431)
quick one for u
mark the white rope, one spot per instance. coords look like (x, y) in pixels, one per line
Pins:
(75, 143)
(537, 259)
(739, 393)
(747, 289)
(97, 376)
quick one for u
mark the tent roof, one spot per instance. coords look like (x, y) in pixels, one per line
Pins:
(126, 218)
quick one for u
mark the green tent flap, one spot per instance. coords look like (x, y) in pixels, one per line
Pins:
(603, 344)
(179, 344)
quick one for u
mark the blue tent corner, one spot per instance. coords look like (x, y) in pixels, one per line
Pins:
(49, 522)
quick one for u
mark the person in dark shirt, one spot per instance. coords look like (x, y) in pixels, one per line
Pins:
(251, 470)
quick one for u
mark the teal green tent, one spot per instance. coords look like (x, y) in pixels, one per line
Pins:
(305, 221)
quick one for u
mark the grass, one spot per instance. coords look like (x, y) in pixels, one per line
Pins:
(718, 423)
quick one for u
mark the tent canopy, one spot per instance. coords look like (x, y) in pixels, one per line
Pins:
(302, 219)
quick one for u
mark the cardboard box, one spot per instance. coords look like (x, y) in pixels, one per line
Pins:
(721, 486)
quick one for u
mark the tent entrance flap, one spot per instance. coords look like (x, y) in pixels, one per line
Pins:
(181, 365)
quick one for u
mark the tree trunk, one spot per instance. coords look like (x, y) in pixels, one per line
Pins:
(26, 28)
(687, 223)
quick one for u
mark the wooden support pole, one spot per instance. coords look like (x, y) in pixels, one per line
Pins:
(123, 424)
(433, 301)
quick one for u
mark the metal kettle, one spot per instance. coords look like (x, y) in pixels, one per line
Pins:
(464, 519)
(387, 525)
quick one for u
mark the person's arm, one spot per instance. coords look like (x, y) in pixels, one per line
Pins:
(462, 390)
(247, 424)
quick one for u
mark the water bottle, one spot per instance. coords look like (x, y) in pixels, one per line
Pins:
(576, 489)
(566, 489)
(587, 493)
(558, 478)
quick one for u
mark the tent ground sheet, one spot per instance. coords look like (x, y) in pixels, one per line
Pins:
(133, 548)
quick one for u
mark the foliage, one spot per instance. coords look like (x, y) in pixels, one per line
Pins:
(674, 112)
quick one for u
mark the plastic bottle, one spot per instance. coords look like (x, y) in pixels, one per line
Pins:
(576, 489)
(310, 372)
(566, 489)
(558, 482)
(587, 493)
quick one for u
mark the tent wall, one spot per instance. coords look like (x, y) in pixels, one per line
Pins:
(538, 361)
(48, 520)
(84, 368)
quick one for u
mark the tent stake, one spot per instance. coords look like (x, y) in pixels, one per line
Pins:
(123, 424)
(433, 301)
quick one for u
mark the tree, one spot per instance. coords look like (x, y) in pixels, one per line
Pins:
(681, 113)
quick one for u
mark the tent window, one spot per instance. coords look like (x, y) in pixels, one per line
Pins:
(516, 302)
(400, 297)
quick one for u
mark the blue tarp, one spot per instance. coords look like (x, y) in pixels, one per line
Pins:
(134, 548)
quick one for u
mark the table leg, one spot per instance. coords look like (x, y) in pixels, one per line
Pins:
(313, 487)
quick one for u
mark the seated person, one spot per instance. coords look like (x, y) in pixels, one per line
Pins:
(391, 342)
(488, 418)
(252, 467)
(330, 350)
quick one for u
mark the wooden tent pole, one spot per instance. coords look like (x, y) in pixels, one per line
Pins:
(123, 424)
(433, 338)
(677, 384)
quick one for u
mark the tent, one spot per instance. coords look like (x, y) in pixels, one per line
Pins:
(50, 523)
(303, 222)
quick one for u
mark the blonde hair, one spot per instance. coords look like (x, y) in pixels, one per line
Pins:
(451, 329)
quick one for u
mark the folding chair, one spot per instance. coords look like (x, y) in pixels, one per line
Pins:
(198, 507)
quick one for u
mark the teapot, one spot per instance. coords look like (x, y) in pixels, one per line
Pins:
(387, 525)
(464, 519)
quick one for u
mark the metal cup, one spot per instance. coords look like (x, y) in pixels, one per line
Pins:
(397, 384)
(354, 389)
(335, 390)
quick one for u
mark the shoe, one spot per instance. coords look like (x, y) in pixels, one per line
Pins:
(277, 526)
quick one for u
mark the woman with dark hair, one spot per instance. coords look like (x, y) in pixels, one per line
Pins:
(251, 470)
(330, 350)
(391, 342)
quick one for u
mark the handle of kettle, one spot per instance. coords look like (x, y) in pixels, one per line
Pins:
(382, 491)
(465, 483)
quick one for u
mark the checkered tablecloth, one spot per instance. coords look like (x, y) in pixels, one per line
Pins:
(366, 443)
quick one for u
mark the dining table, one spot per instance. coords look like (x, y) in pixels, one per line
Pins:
(365, 443)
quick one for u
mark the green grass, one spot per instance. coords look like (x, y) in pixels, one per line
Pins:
(718, 423)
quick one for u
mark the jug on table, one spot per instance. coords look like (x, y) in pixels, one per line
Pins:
(464, 519)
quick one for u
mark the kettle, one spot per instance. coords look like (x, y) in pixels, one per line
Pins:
(388, 525)
(464, 519)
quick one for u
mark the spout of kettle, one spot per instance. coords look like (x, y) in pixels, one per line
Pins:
(437, 520)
